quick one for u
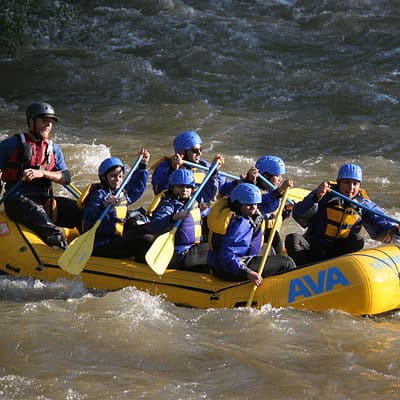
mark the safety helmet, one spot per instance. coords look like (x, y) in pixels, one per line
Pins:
(350, 171)
(246, 193)
(182, 176)
(108, 164)
(41, 109)
(271, 165)
(186, 140)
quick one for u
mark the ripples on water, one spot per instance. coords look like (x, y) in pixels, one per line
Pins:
(315, 82)
(128, 344)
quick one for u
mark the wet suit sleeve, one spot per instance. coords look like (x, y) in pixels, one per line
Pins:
(93, 208)
(160, 177)
(236, 243)
(137, 184)
(377, 226)
(161, 220)
(305, 211)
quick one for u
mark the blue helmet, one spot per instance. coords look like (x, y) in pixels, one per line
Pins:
(246, 193)
(271, 165)
(182, 176)
(350, 171)
(186, 140)
(109, 163)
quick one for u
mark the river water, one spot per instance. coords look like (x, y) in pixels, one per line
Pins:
(314, 82)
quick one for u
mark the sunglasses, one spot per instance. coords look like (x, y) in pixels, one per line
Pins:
(196, 151)
(185, 186)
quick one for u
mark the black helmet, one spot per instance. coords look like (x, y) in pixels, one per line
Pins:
(41, 109)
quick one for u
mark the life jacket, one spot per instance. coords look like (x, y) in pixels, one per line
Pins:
(85, 194)
(220, 217)
(340, 218)
(29, 154)
(269, 223)
(155, 202)
(157, 163)
(121, 210)
(199, 175)
(190, 231)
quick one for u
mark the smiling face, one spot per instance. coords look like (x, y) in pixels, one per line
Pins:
(41, 126)
(349, 187)
(114, 178)
(194, 154)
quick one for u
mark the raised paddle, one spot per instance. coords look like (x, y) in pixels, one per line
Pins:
(296, 194)
(162, 250)
(268, 246)
(11, 191)
(73, 259)
(356, 203)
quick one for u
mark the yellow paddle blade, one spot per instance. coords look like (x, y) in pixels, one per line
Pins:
(298, 194)
(161, 252)
(74, 259)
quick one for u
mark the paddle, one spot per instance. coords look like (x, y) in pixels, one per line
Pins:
(296, 193)
(356, 203)
(161, 251)
(74, 191)
(11, 191)
(268, 247)
(79, 251)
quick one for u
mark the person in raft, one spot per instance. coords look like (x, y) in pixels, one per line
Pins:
(116, 237)
(190, 250)
(272, 168)
(32, 161)
(236, 236)
(333, 224)
(188, 147)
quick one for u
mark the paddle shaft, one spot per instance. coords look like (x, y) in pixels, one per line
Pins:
(227, 175)
(72, 191)
(268, 246)
(122, 187)
(162, 250)
(198, 190)
(356, 203)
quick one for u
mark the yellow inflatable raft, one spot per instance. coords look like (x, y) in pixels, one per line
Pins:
(362, 283)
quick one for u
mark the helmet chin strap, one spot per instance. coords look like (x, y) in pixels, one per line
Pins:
(35, 132)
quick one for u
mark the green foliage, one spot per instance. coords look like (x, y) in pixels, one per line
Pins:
(31, 23)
